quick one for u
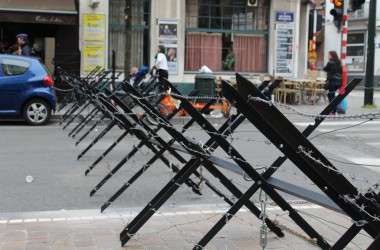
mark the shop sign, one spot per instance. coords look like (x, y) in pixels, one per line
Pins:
(49, 19)
(284, 62)
(94, 42)
(94, 28)
(37, 18)
(93, 56)
(282, 16)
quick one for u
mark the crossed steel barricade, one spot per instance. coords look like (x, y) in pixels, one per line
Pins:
(253, 106)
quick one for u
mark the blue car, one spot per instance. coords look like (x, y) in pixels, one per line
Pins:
(26, 89)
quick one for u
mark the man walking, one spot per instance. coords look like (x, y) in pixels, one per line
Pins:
(22, 39)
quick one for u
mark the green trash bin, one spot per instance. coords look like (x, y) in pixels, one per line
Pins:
(205, 84)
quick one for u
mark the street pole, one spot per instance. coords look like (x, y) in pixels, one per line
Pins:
(315, 19)
(344, 46)
(113, 65)
(370, 71)
(128, 36)
(313, 52)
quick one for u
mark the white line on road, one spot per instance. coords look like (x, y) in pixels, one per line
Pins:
(339, 123)
(131, 215)
(351, 135)
(353, 156)
(374, 144)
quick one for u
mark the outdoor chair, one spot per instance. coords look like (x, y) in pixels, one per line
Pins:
(313, 91)
(289, 90)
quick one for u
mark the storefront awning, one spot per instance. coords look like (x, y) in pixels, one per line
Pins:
(40, 6)
(38, 11)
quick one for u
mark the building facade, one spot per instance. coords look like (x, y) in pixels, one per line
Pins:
(253, 37)
(226, 36)
(52, 28)
(357, 41)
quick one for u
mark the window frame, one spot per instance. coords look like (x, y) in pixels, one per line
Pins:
(228, 31)
(364, 56)
(145, 27)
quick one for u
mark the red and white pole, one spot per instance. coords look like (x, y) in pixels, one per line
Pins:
(315, 30)
(313, 53)
(344, 47)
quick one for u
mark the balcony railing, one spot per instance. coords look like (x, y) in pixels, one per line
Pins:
(363, 13)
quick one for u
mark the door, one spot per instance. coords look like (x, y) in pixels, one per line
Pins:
(13, 79)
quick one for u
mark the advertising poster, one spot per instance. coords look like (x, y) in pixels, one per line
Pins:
(94, 28)
(94, 38)
(168, 36)
(93, 56)
(284, 49)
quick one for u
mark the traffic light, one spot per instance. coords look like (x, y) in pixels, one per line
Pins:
(337, 3)
(356, 4)
(337, 12)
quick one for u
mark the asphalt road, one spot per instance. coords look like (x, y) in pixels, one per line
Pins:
(49, 156)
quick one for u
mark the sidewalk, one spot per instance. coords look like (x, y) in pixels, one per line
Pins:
(355, 102)
(179, 227)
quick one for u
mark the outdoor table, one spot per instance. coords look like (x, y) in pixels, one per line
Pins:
(303, 83)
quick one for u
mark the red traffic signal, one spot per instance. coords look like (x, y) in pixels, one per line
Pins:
(337, 13)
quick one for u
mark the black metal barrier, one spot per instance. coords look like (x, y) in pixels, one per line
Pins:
(253, 106)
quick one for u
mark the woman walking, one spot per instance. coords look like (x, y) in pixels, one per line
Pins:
(333, 69)
(161, 64)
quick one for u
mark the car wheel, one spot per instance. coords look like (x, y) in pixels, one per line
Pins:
(37, 112)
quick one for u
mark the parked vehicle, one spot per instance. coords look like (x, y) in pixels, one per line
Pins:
(26, 89)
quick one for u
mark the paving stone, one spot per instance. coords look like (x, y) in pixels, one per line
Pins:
(179, 244)
(105, 238)
(58, 242)
(169, 232)
(82, 236)
(84, 243)
(109, 245)
(37, 246)
(14, 235)
(134, 246)
(12, 245)
(85, 248)
(147, 247)
(60, 247)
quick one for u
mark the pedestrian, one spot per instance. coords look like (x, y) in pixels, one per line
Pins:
(23, 40)
(15, 49)
(229, 63)
(2, 48)
(161, 64)
(333, 69)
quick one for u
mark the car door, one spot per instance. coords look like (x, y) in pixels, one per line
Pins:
(12, 84)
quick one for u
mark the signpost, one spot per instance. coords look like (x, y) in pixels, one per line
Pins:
(369, 79)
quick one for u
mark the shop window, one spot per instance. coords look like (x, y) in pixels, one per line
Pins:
(356, 50)
(226, 35)
(140, 28)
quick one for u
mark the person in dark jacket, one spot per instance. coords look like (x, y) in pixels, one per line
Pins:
(333, 69)
(2, 48)
(23, 40)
